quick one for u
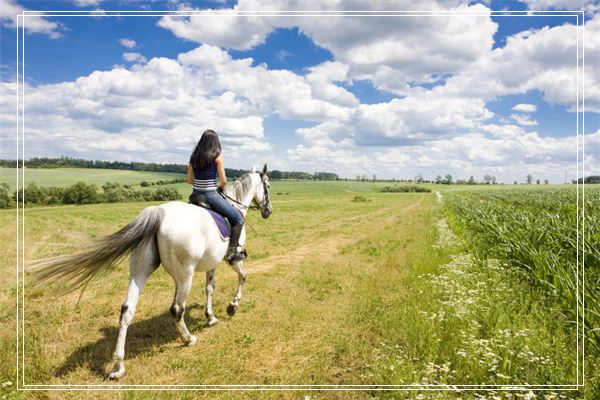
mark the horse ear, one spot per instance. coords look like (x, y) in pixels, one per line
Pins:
(264, 171)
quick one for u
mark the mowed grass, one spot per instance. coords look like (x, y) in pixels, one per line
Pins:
(308, 264)
(69, 176)
(339, 292)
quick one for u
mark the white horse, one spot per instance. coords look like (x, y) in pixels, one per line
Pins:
(182, 237)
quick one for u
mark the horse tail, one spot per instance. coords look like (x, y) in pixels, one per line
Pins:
(78, 269)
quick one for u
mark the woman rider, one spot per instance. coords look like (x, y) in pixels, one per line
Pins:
(205, 163)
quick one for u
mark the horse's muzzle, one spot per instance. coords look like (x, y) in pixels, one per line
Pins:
(266, 212)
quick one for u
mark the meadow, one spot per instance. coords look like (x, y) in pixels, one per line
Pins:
(68, 176)
(340, 292)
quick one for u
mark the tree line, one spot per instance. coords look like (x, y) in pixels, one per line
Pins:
(588, 179)
(83, 193)
(162, 182)
(68, 162)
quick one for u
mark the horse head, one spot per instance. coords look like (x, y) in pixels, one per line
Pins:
(262, 198)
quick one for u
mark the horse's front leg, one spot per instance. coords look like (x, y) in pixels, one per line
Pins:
(233, 306)
(210, 288)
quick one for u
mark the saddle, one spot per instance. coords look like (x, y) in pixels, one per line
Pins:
(200, 200)
(221, 222)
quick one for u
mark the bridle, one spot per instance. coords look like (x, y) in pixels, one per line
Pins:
(263, 204)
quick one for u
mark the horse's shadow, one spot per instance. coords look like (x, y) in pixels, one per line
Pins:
(141, 336)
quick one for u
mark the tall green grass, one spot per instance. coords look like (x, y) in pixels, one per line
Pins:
(541, 232)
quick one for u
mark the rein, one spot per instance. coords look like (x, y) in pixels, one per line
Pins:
(260, 207)
(250, 207)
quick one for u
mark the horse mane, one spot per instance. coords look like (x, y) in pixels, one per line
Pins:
(241, 186)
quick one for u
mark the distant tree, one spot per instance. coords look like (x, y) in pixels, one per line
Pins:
(54, 195)
(325, 176)
(515, 183)
(419, 178)
(546, 181)
(471, 180)
(374, 177)
(80, 193)
(34, 194)
(165, 194)
(438, 179)
(493, 180)
(275, 175)
(529, 179)
(537, 181)
(448, 179)
(115, 195)
(110, 185)
(590, 179)
(487, 179)
(4, 196)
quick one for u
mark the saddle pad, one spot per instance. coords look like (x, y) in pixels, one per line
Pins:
(222, 224)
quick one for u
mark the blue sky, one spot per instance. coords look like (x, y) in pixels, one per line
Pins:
(391, 96)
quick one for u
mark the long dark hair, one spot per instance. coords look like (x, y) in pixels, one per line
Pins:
(207, 149)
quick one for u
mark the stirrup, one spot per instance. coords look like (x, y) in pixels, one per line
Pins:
(237, 256)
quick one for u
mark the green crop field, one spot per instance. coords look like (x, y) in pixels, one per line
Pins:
(347, 286)
(68, 176)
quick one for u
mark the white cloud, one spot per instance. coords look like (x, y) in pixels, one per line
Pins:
(240, 33)
(155, 110)
(543, 60)
(129, 43)
(523, 119)
(8, 18)
(391, 51)
(134, 57)
(86, 3)
(322, 78)
(509, 153)
(523, 107)
(268, 91)
(422, 116)
(589, 6)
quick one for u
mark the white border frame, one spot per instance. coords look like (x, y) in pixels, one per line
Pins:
(20, 28)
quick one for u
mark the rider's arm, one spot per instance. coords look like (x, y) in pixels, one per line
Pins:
(221, 171)
(189, 178)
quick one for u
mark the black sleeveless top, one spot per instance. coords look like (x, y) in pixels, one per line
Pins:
(205, 179)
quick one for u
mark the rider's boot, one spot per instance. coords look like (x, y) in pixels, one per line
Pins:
(233, 255)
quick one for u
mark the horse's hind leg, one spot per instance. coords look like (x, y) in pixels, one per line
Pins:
(210, 288)
(142, 264)
(182, 290)
(233, 306)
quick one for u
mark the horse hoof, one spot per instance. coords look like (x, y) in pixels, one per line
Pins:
(211, 322)
(193, 340)
(116, 374)
(231, 309)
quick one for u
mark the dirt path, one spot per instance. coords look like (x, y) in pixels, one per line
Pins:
(325, 249)
(319, 250)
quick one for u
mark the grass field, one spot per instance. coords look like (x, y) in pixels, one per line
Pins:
(339, 292)
(68, 176)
